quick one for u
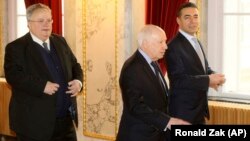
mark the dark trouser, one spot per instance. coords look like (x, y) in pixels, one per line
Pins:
(168, 135)
(24, 138)
(64, 131)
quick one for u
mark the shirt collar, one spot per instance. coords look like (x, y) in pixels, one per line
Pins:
(188, 37)
(148, 59)
(37, 40)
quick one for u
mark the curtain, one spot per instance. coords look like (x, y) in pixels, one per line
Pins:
(56, 8)
(163, 13)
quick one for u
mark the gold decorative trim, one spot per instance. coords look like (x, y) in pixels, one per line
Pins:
(84, 45)
(85, 36)
(116, 70)
(198, 3)
(1, 37)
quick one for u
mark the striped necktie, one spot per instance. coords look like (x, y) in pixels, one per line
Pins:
(45, 45)
(158, 75)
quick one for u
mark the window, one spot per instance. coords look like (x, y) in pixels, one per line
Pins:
(21, 28)
(21, 19)
(229, 45)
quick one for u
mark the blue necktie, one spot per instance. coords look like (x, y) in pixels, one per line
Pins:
(158, 75)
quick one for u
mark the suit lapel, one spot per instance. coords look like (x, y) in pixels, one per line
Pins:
(189, 49)
(146, 67)
(60, 53)
(165, 83)
(36, 56)
(151, 74)
(205, 58)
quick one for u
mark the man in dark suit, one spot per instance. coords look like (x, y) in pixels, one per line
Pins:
(189, 73)
(45, 78)
(144, 91)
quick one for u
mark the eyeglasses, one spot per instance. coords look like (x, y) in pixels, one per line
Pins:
(42, 21)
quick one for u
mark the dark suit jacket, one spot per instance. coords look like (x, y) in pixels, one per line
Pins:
(145, 104)
(189, 82)
(33, 113)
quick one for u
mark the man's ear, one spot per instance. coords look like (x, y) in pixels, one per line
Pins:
(178, 20)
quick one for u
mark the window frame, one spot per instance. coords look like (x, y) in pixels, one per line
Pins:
(13, 16)
(215, 47)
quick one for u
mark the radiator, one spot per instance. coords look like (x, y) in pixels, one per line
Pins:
(228, 113)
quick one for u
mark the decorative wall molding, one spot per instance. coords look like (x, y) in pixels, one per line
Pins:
(100, 85)
(198, 3)
(1, 36)
(202, 32)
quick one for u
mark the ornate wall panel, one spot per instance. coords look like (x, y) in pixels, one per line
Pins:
(1, 36)
(100, 115)
(202, 32)
(198, 3)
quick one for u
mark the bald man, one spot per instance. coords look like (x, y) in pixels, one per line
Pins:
(144, 91)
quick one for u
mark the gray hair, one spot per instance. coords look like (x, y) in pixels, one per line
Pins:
(30, 10)
(147, 32)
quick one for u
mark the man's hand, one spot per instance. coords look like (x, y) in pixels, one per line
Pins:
(216, 80)
(74, 87)
(176, 121)
(51, 88)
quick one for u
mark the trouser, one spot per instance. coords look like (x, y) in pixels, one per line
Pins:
(64, 131)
